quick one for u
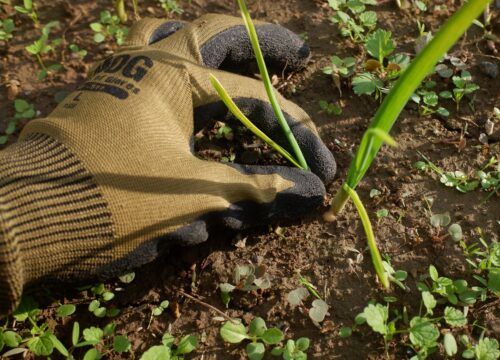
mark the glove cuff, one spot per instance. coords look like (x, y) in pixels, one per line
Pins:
(11, 281)
(54, 222)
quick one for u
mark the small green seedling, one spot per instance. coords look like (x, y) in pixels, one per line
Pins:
(39, 340)
(257, 333)
(318, 309)
(247, 277)
(352, 18)
(28, 9)
(24, 111)
(76, 51)
(463, 86)
(396, 276)
(158, 310)
(6, 29)
(97, 306)
(42, 47)
(378, 77)
(101, 341)
(340, 68)
(293, 350)
(487, 177)
(170, 7)
(169, 351)
(330, 108)
(109, 26)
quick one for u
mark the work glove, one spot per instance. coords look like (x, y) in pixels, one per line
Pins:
(109, 180)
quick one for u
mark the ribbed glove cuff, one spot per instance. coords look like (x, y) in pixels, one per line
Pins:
(54, 223)
(11, 279)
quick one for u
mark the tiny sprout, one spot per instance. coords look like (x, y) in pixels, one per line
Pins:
(247, 278)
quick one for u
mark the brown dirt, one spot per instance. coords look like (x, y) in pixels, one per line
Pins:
(318, 250)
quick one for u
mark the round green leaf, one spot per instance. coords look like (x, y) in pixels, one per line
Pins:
(107, 296)
(345, 331)
(233, 333)
(487, 349)
(302, 343)
(92, 354)
(454, 317)
(295, 297)
(255, 351)
(93, 335)
(41, 346)
(65, 310)
(158, 352)
(272, 336)
(450, 344)
(187, 344)
(121, 344)
(127, 278)
(94, 305)
(168, 340)
(376, 316)
(98, 37)
(433, 272)
(257, 327)
(423, 333)
(11, 339)
(100, 312)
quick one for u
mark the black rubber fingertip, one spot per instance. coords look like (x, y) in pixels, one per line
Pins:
(165, 30)
(231, 49)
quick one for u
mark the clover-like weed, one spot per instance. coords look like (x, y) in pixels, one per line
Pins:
(352, 18)
(109, 26)
(98, 305)
(463, 86)
(169, 350)
(317, 310)
(293, 349)
(24, 111)
(246, 277)
(257, 333)
(7, 27)
(28, 9)
(170, 7)
(43, 46)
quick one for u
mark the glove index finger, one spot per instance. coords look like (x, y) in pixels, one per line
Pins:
(222, 42)
(148, 31)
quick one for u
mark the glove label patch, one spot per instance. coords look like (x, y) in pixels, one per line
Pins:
(117, 76)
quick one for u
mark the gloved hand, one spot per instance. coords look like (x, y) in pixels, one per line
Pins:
(109, 179)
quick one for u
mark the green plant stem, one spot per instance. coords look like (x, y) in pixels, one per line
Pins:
(408, 82)
(252, 33)
(40, 62)
(372, 244)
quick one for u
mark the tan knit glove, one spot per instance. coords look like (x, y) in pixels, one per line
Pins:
(109, 179)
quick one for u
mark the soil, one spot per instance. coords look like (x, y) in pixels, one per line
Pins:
(326, 253)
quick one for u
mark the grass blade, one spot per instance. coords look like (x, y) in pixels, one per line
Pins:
(411, 78)
(252, 33)
(398, 96)
(250, 125)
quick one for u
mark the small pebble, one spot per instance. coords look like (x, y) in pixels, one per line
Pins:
(489, 69)
(489, 126)
(483, 138)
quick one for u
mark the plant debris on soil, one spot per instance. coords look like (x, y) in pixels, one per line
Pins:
(331, 256)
